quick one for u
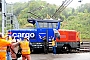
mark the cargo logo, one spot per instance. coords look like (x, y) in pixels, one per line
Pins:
(28, 35)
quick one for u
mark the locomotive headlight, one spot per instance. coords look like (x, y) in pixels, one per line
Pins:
(57, 34)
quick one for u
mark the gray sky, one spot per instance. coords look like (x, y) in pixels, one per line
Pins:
(75, 3)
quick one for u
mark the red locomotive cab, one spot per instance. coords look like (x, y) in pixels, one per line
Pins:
(68, 36)
(69, 40)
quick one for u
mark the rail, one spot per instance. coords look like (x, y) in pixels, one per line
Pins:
(85, 46)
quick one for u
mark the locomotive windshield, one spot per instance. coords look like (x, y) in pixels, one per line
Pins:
(47, 25)
(55, 24)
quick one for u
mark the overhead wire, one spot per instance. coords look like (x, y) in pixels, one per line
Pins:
(62, 7)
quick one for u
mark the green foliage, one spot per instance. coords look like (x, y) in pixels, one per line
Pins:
(80, 23)
(74, 19)
(18, 7)
(83, 7)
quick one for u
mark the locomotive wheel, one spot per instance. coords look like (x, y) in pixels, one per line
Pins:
(66, 48)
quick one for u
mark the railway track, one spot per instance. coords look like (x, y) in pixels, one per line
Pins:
(85, 46)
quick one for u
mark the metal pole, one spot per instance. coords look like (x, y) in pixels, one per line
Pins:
(5, 30)
(3, 16)
(12, 8)
(12, 16)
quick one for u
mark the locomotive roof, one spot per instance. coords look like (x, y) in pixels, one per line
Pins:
(67, 30)
(46, 20)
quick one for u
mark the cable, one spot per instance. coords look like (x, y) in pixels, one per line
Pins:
(62, 7)
(35, 15)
